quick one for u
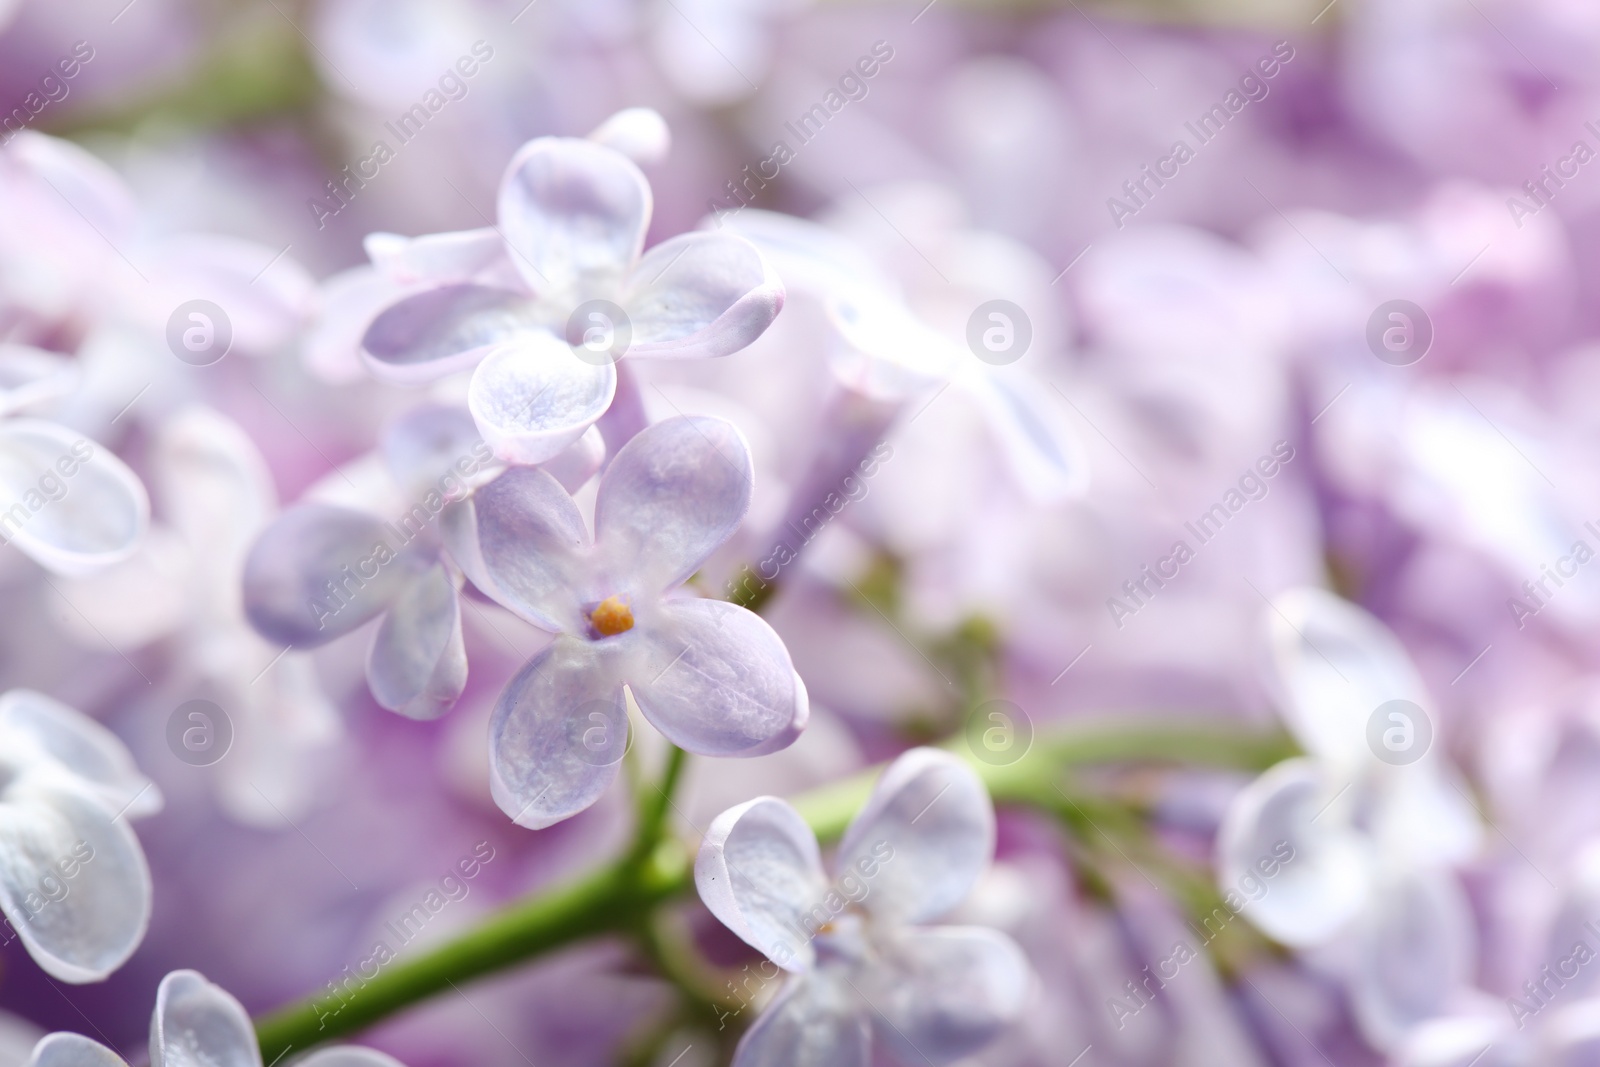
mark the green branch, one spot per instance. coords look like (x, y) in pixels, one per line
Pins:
(656, 869)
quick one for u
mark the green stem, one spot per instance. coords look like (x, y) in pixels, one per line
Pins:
(656, 869)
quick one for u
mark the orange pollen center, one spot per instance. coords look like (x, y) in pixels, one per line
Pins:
(612, 617)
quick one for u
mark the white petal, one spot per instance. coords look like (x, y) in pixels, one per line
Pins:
(348, 1056)
(198, 1024)
(700, 295)
(944, 993)
(1460, 1041)
(640, 133)
(887, 352)
(573, 212)
(310, 547)
(532, 542)
(1415, 951)
(69, 523)
(418, 664)
(47, 729)
(1323, 873)
(558, 733)
(670, 498)
(18, 1038)
(440, 331)
(439, 258)
(30, 375)
(715, 679)
(929, 825)
(215, 489)
(73, 1050)
(815, 1022)
(1337, 664)
(78, 928)
(760, 872)
(533, 397)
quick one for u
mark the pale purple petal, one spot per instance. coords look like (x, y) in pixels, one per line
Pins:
(265, 293)
(348, 1056)
(760, 872)
(579, 461)
(1322, 871)
(198, 1024)
(1414, 954)
(816, 1021)
(47, 729)
(443, 330)
(418, 664)
(287, 576)
(533, 397)
(700, 294)
(532, 543)
(440, 258)
(559, 733)
(1045, 456)
(1337, 664)
(574, 214)
(929, 825)
(30, 375)
(437, 447)
(73, 880)
(671, 496)
(715, 679)
(73, 1050)
(1477, 1040)
(640, 133)
(65, 500)
(944, 993)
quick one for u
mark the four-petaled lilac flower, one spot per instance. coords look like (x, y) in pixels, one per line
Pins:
(74, 885)
(194, 1022)
(712, 677)
(573, 216)
(861, 962)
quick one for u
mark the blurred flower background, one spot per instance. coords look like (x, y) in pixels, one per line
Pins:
(1183, 411)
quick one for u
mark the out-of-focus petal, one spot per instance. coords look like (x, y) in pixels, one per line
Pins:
(1044, 453)
(30, 375)
(760, 872)
(320, 571)
(640, 133)
(437, 447)
(531, 539)
(1463, 1041)
(558, 734)
(671, 496)
(816, 1021)
(886, 352)
(440, 331)
(66, 501)
(418, 664)
(199, 1024)
(579, 461)
(700, 294)
(79, 926)
(573, 213)
(1322, 873)
(18, 1039)
(716, 679)
(48, 729)
(265, 294)
(73, 1050)
(1415, 950)
(438, 258)
(533, 397)
(944, 993)
(1337, 664)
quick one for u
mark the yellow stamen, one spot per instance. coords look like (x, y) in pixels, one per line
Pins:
(612, 617)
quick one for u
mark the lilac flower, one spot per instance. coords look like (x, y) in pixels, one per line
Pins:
(1373, 841)
(711, 676)
(194, 1022)
(861, 960)
(321, 570)
(572, 220)
(74, 885)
